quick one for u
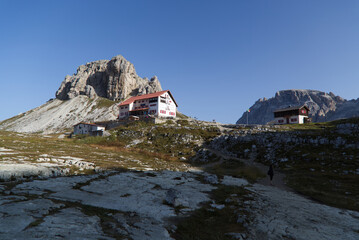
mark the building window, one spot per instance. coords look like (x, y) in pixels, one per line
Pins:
(152, 100)
(280, 121)
(293, 119)
(163, 101)
(163, 111)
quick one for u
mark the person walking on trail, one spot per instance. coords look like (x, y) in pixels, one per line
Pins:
(270, 173)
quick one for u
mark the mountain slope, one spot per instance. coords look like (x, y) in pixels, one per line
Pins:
(57, 115)
(88, 95)
(323, 106)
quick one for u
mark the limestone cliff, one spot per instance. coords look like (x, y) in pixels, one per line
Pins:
(115, 79)
(323, 106)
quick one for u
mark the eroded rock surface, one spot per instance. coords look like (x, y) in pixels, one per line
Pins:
(125, 204)
(132, 205)
(280, 214)
(115, 79)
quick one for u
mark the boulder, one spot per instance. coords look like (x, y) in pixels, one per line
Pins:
(175, 198)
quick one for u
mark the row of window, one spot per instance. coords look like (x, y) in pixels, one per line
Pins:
(125, 107)
(292, 120)
(144, 106)
(140, 101)
(162, 112)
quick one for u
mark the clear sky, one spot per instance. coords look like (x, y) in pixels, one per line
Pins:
(216, 57)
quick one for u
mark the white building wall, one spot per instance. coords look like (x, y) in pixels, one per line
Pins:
(280, 120)
(153, 108)
(292, 120)
(87, 128)
(124, 111)
(167, 107)
(301, 119)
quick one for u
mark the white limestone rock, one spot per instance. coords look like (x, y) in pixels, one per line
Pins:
(57, 115)
(280, 214)
(115, 79)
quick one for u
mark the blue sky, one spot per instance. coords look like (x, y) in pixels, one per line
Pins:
(216, 57)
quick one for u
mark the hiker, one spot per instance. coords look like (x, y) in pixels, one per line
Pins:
(270, 173)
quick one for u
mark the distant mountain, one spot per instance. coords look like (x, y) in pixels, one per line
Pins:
(323, 106)
(92, 94)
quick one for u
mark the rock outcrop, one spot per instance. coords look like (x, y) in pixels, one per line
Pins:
(323, 106)
(89, 95)
(115, 79)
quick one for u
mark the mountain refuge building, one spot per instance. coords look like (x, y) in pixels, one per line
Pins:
(291, 115)
(158, 104)
(89, 128)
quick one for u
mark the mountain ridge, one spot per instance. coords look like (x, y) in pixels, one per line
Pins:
(323, 106)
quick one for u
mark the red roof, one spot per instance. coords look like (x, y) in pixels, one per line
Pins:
(146, 96)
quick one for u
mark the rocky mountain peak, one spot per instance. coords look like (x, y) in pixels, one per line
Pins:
(323, 106)
(115, 79)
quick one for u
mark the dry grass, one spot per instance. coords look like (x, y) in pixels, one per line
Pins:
(214, 224)
(31, 147)
(236, 168)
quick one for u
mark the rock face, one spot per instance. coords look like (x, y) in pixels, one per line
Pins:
(323, 106)
(115, 79)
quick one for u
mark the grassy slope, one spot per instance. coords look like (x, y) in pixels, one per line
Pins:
(324, 173)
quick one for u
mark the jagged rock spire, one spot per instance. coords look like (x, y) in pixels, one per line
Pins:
(115, 79)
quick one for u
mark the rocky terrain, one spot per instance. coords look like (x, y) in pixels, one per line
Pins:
(323, 106)
(320, 160)
(92, 94)
(137, 184)
(115, 80)
(139, 205)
